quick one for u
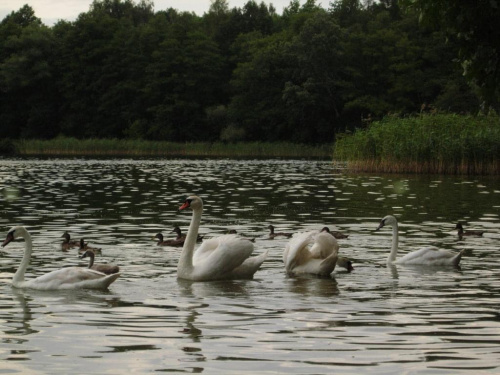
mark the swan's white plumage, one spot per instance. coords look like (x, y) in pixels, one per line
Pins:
(220, 258)
(428, 256)
(65, 278)
(69, 278)
(311, 253)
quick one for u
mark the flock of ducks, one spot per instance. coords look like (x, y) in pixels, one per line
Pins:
(226, 257)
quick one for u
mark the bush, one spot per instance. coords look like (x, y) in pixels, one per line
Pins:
(431, 143)
(7, 147)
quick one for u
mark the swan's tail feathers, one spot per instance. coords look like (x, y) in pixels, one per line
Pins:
(110, 279)
(456, 260)
(249, 267)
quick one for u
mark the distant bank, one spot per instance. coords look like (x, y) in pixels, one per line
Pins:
(122, 147)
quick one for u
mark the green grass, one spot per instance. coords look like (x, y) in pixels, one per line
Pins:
(62, 146)
(437, 143)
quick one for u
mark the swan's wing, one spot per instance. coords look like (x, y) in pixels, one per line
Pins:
(72, 278)
(315, 266)
(230, 252)
(430, 256)
(208, 246)
(297, 251)
(247, 269)
(324, 245)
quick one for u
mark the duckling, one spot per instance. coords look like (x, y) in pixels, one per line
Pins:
(335, 234)
(107, 269)
(180, 236)
(174, 242)
(85, 246)
(272, 235)
(461, 232)
(68, 243)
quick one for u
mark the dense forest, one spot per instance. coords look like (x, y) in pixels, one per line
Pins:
(123, 70)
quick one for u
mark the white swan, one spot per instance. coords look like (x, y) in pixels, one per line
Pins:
(319, 259)
(220, 258)
(430, 256)
(65, 278)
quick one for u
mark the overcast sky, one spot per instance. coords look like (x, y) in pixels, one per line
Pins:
(50, 11)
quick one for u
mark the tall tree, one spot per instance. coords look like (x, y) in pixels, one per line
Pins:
(473, 25)
(28, 95)
(182, 81)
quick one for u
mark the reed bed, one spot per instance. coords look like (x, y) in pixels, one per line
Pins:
(123, 147)
(431, 143)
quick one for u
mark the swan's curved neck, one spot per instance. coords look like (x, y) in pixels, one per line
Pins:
(186, 259)
(91, 261)
(395, 239)
(28, 246)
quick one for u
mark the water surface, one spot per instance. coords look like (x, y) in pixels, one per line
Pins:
(377, 319)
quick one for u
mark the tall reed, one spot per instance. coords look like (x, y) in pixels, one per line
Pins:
(63, 146)
(431, 143)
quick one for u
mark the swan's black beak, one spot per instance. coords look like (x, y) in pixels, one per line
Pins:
(381, 225)
(10, 237)
(349, 266)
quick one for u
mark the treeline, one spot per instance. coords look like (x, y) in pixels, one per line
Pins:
(123, 70)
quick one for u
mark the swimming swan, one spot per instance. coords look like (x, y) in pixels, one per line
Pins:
(65, 278)
(220, 258)
(311, 253)
(430, 256)
(108, 269)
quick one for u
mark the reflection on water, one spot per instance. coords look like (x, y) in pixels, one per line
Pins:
(377, 319)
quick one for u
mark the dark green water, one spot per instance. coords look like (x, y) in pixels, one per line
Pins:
(377, 319)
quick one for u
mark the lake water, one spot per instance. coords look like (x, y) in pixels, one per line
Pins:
(377, 319)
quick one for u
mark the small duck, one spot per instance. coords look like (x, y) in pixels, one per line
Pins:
(335, 234)
(181, 236)
(85, 246)
(107, 269)
(233, 231)
(68, 243)
(174, 242)
(272, 234)
(461, 232)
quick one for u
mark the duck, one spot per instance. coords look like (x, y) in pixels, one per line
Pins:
(461, 232)
(335, 234)
(64, 278)
(311, 253)
(67, 242)
(180, 236)
(162, 242)
(226, 257)
(428, 256)
(233, 231)
(108, 269)
(85, 246)
(273, 235)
